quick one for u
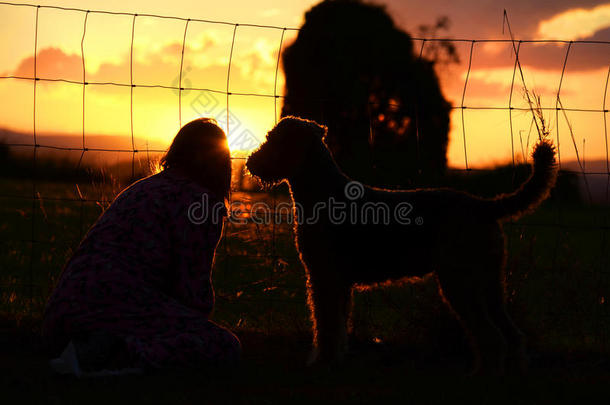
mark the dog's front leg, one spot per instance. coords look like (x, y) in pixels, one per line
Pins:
(330, 303)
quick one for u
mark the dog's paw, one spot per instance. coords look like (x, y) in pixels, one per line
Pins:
(518, 363)
(314, 357)
(324, 359)
(486, 372)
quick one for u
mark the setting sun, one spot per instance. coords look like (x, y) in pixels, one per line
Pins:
(167, 51)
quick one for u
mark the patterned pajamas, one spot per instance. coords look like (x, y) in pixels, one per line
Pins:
(143, 274)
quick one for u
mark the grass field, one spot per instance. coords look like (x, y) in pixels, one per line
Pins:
(558, 281)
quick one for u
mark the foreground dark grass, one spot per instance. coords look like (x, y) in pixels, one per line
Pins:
(405, 343)
(558, 271)
(273, 371)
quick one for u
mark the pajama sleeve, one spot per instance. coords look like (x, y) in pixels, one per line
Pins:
(194, 245)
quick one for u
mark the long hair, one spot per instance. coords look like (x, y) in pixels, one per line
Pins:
(200, 149)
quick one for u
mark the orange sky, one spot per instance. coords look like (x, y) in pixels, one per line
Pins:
(156, 60)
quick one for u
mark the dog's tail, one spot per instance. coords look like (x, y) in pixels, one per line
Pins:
(531, 193)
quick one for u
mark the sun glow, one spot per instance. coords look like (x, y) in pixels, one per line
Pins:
(251, 109)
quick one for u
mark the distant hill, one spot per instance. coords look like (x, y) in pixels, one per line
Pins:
(58, 140)
(597, 183)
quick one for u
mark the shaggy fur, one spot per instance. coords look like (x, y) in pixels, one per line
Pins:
(456, 235)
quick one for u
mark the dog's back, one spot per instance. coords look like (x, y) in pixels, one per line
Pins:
(409, 233)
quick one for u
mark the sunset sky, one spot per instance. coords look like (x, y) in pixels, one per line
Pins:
(158, 44)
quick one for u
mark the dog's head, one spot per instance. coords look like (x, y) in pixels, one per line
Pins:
(285, 150)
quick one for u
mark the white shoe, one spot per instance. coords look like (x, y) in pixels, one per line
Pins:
(68, 363)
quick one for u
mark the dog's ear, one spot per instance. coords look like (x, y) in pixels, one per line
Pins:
(323, 132)
(320, 130)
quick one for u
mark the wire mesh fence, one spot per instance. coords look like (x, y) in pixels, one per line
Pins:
(259, 280)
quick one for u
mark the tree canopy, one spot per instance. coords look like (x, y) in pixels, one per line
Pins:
(352, 69)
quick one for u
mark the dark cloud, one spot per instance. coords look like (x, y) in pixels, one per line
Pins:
(549, 56)
(601, 35)
(483, 19)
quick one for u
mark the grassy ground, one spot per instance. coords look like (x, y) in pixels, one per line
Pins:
(273, 371)
(406, 346)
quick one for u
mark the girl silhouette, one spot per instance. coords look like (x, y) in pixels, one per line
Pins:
(137, 292)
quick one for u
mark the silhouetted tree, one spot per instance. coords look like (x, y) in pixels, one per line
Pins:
(437, 49)
(353, 70)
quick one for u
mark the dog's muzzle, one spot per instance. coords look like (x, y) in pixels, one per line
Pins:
(254, 165)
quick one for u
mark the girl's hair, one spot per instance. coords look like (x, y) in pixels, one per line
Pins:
(200, 149)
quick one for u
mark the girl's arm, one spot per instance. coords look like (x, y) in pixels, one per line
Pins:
(194, 245)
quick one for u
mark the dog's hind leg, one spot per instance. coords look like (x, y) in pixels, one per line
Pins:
(517, 359)
(465, 294)
(331, 301)
(493, 280)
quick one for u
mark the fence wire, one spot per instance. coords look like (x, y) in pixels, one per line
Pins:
(38, 245)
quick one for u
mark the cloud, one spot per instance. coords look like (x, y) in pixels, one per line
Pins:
(271, 12)
(576, 23)
(52, 63)
(253, 70)
(482, 19)
(544, 56)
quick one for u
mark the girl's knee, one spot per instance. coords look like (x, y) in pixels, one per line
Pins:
(232, 348)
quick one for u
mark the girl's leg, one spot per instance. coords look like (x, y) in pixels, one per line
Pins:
(202, 344)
